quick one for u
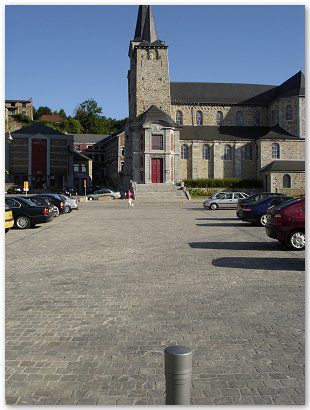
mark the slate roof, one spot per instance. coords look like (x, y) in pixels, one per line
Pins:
(38, 128)
(231, 93)
(145, 28)
(223, 133)
(80, 155)
(154, 115)
(285, 166)
(89, 138)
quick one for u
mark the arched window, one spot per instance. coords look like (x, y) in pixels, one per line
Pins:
(227, 153)
(179, 117)
(257, 119)
(219, 118)
(184, 151)
(248, 153)
(206, 152)
(289, 113)
(199, 120)
(239, 118)
(275, 151)
(286, 181)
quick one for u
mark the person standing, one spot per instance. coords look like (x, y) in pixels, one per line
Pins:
(129, 197)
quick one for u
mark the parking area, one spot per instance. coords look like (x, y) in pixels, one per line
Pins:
(94, 297)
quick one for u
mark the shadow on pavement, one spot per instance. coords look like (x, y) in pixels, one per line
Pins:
(218, 219)
(291, 264)
(243, 246)
(228, 224)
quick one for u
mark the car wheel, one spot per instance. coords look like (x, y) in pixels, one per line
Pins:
(213, 206)
(56, 212)
(67, 209)
(296, 241)
(263, 220)
(6, 230)
(113, 197)
(90, 198)
(22, 222)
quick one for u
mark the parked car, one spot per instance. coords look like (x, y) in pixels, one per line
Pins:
(104, 192)
(94, 188)
(26, 213)
(15, 189)
(55, 200)
(70, 203)
(229, 200)
(286, 223)
(9, 220)
(254, 198)
(69, 191)
(256, 212)
(45, 202)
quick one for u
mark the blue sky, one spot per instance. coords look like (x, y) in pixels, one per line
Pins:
(62, 55)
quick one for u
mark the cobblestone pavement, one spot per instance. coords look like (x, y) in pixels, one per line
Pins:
(94, 297)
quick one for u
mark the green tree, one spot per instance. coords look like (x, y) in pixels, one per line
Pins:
(40, 111)
(89, 115)
(72, 126)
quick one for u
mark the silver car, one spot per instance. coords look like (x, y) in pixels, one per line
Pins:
(104, 192)
(70, 203)
(228, 200)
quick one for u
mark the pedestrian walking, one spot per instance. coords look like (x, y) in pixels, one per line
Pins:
(129, 197)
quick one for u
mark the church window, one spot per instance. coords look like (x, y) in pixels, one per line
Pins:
(227, 153)
(184, 151)
(219, 118)
(248, 152)
(275, 151)
(257, 119)
(206, 152)
(199, 118)
(286, 181)
(289, 113)
(157, 142)
(179, 117)
(239, 118)
(76, 167)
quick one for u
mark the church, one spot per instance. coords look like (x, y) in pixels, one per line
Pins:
(190, 130)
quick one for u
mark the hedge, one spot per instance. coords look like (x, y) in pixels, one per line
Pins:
(222, 183)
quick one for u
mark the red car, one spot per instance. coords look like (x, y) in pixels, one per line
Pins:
(286, 223)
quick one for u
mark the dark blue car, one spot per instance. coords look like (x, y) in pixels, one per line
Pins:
(256, 212)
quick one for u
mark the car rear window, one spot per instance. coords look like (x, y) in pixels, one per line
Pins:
(285, 204)
(28, 201)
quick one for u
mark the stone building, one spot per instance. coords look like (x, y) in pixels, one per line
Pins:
(41, 155)
(180, 130)
(14, 107)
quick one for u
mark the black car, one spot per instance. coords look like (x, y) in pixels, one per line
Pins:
(27, 213)
(54, 201)
(254, 198)
(45, 202)
(69, 191)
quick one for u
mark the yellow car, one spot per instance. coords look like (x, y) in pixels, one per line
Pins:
(9, 220)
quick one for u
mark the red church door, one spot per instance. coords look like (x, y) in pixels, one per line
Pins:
(157, 170)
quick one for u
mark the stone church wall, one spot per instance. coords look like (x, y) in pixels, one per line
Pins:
(289, 150)
(229, 114)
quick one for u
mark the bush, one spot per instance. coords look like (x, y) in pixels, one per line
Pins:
(200, 192)
(222, 183)
(22, 118)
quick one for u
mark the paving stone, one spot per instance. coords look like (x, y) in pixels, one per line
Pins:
(88, 317)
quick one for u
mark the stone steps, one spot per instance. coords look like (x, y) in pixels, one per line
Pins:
(159, 192)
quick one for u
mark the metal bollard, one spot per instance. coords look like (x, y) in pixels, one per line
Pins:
(178, 372)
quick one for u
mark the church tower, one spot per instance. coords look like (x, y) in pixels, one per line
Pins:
(148, 77)
(152, 136)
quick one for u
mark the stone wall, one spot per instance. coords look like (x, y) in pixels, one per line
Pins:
(229, 114)
(297, 183)
(217, 167)
(289, 150)
(292, 126)
(152, 80)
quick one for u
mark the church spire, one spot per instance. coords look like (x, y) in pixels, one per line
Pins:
(145, 28)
